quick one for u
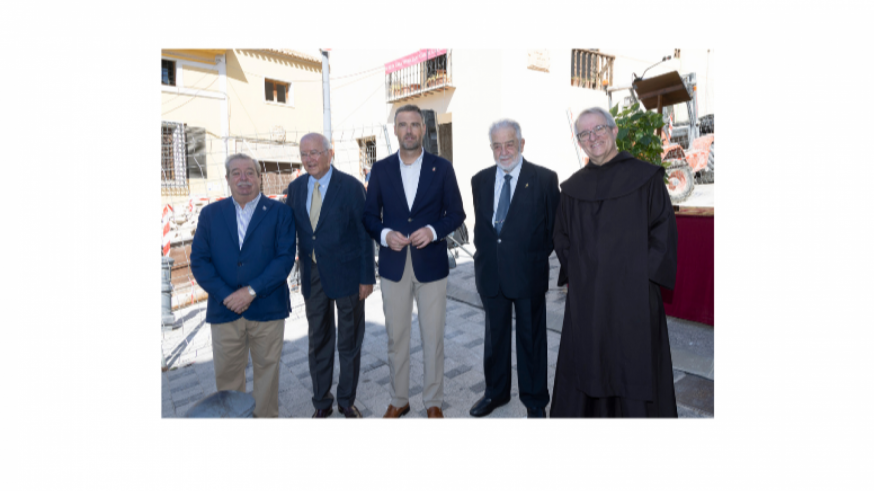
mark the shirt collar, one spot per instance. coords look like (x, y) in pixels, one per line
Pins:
(248, 205)
(515, 172)
(325, 180)
(418, 161)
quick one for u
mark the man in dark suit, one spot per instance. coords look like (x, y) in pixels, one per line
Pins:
(336, 255)
(413, 203)
(514, 203)
(241, 255)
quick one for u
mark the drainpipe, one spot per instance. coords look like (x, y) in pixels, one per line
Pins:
(224, 112)
(326, 93)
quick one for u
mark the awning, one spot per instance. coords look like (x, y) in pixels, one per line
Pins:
(409, 60)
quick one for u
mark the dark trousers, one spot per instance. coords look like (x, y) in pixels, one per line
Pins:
(530, 348)
(350, 335)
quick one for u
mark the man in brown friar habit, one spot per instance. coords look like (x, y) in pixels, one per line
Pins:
(616, 238)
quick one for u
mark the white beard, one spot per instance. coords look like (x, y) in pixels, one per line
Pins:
(509, 168)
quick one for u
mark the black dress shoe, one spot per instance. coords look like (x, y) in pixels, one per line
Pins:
(485, 406)
(536, 412)
(350, 412)
(323, 413)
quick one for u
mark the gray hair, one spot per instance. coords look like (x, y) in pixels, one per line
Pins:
(326, 144)
(411, 108)
(240, 156)
(505, 123)
(600, 111)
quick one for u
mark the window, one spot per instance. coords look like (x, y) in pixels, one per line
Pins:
(366, 153)
(589, 69)
(276, 91)
(168, 73)
(174, 170)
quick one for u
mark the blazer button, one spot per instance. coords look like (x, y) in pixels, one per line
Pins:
(409, 219)
(314, 237)
(239, 264)
(499, 241)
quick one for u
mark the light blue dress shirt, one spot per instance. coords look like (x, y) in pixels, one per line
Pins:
(323, 187)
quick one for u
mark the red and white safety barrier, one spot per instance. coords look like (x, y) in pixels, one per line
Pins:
(165, 224)
(192, 289)
(196, 200)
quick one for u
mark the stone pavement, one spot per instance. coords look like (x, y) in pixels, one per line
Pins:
(188, 352)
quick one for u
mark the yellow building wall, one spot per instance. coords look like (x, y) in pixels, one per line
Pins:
(253, 116)
(199, 78)
(198, 101)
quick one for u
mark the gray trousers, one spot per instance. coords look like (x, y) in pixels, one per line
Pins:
(350, 334)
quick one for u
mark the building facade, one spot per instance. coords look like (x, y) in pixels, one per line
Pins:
(468, 89)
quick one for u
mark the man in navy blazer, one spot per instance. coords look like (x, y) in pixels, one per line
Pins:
(336, 256)
(413, 203)
(514, 203)
(242, 253)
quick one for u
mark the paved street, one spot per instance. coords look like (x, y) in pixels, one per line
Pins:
(188, 351)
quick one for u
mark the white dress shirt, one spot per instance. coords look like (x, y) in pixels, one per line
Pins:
(410, 177)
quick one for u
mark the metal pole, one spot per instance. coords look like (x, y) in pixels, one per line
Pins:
(326, 94)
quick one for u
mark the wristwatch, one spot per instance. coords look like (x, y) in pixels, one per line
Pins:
(252, 292)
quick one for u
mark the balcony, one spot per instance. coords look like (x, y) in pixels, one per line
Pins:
(418, 74)
(590, 69)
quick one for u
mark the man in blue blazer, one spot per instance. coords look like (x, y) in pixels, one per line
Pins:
(242, 253)
(413, 203)
(515, 204)
(336, 256)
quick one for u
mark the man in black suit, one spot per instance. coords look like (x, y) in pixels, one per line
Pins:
(336, 256)
(515, 203)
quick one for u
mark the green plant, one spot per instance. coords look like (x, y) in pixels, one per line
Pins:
(637, 133)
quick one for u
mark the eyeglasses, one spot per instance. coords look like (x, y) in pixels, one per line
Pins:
(313, 154)
(510, 145)
(598, 131)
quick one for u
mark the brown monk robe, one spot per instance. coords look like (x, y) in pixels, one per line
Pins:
(616, 238)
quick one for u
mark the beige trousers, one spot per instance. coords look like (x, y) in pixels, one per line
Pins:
(231, 344)
(397, 304)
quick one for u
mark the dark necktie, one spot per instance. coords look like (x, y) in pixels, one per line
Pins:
(503, 204)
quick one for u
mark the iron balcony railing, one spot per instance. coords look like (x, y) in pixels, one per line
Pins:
(589, 68)
(406, 79)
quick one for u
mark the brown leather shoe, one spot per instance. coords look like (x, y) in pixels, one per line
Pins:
(323, 413)
(394, 412)
(435, 412)
(350, 412)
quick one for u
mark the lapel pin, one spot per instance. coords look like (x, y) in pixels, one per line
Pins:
(264, 207)
(526, 184)
(433, 169)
